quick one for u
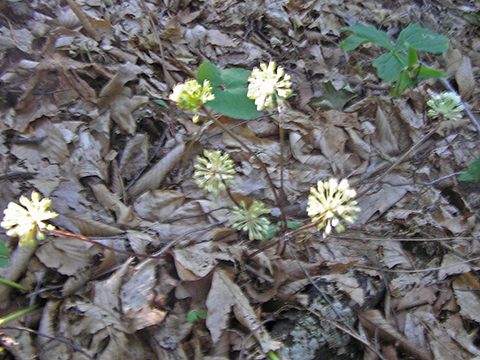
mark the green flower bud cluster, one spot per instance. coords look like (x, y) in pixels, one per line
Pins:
(250, 220)
(214, 172)
(190, 95)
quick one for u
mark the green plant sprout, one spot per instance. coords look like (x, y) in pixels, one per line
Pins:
(401, 63)
(28, 221)
(195, 315)
(329, 203)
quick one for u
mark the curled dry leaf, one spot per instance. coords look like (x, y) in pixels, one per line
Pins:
(152, 179)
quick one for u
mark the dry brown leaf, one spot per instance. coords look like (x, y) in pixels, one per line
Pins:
(417, 297)
(225, 295)
(194, 262)
(89, 227)
(467, 299)
(465, 79)
(374, 322)
(124, 215)
(67, 256)
(383, 138)
(152, 179)
(134, 156)
(158, 205)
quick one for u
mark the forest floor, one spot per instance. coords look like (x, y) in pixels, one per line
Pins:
(87, 123)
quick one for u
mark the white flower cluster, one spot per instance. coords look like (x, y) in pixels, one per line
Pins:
(447, 105)
(28, 222)
(331, 202)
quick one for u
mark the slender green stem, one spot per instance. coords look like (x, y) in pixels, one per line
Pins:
(14, 285)
(15, 315)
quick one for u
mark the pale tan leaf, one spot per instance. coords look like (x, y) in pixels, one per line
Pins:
(121, 110)
(124, 215)
(134, 156)
(224, 296)
(152, 179)
(67, 256)
(89, 227)
(194, 262)
(465, 79)
(453, 265)
(416, 297)
(384, 139)
(467, 299)
(158, 205)
(455, 328)
(375, 323)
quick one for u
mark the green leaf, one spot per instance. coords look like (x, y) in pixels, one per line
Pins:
(427, 73)
(230, 88)
(202, 314)
(192, 316)
(403, 81)
(333, 98)
(4, 255)
(412, 56)
(421, 39)
(390, 65)
(161, 102)
(473, 172)
(366, 34)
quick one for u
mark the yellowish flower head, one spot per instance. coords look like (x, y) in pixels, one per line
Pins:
(447, 106)
(267, 85)
(331, 202)
(214, 172)
(250, 220)
(190, 95)
(27, 221)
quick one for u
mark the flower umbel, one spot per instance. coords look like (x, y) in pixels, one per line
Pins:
(190, 95)
(331, 202)
(266, 85)
(214, 172)
(250, 220)
(27, 221)
(447, 105)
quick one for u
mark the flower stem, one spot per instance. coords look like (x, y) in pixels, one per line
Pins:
(15, 315)
(14, 285)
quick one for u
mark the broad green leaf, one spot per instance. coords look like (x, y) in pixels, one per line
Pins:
(333, 98)
(4, 255)
(473, 172)
(412, 56)
(368, 34)
(390, 65)
(421, 39)
(230, 88)
(352, 42)
(427, 73)
(403, 81)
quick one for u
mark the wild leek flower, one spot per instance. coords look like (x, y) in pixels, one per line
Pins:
(190, 95)
(250, 220)
(331, 202)
(214, 172)
(447, 105)
(27, 222)
(265, 86)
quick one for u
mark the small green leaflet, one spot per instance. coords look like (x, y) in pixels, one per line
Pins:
(161, 102)
(4, 255)
(473, 172)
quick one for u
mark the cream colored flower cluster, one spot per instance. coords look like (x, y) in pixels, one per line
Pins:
(447, 105)
(330, 202)
(190, 95)
(214, 172)
(267, 85)
(27, 221)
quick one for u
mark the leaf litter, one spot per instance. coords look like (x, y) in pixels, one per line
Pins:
(78, 127)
